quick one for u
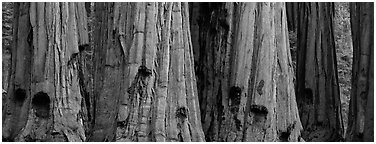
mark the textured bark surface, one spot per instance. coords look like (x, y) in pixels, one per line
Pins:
(292, 15)
(44, 100)
(361, 112)
(86, 72)
(161, 102)
(15, 110)
(108, 73)
(244, 70)
(317, 80)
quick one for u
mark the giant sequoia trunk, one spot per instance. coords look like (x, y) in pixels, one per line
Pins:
(360, 127)
(317, 81)
(160, 102)
(244, 72)
(44, 101)
(108, 73)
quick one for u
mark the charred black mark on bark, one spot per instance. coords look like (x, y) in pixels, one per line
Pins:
(182, 112)
(121, 124)
(259, 87)
(41, 105)
(144, 71)
(284, 135)
(259, 110)
(20, 95)
(235, 93)
(237, 123)
(84, 47)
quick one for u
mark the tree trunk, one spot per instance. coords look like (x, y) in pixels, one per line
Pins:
(317, 80)
(360, 126)
(161, 102)
(86, 72)
(244, 72)
(108, 73)
(292, 15)
(44, 102)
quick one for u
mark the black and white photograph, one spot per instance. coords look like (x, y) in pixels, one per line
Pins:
(187, 71)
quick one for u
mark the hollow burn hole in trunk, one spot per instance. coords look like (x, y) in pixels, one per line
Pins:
(144, 71)
(260, 113)
(182, 112)
(259, 110)
(83, 47)
(20, 95)
(41, 104)
(235, 93)
(284, 135)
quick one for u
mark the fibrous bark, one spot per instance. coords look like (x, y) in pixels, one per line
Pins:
(317, 79)
(108, 73)
(244, 72)
(361, 112)
(44, 100)
(161, 102)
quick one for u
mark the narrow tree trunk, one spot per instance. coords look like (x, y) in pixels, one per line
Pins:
(16, 108)
(44, 100)
(317, 80)
(161, 102)
(360, 126)
(244, 71)
(292, 15)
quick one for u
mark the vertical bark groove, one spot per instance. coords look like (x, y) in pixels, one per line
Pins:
(45, 73)
(317, 80)
(360, 126)
(242, 61)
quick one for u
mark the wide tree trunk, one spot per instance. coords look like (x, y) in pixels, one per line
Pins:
(44, 101)
(160, 102)
(360, 126)
(317, 80)
(108, 73)
(244, 72)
